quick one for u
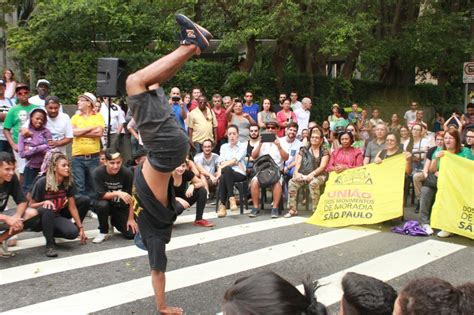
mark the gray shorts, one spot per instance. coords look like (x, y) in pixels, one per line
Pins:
(167, 143)
(10, 212)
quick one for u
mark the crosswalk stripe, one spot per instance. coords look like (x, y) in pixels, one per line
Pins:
(48, 267)
(125, 292)
(39, 241)
(386, 267)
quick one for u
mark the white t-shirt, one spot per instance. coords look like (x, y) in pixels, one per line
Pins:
(292, 148)
(5, 106)
(271, 149)
(410, 116)
(302, 116)
(116, 117)
(36, 100)
(60, 128)
(209, 165)
(296, 105)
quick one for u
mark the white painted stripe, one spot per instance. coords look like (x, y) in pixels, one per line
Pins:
(386, 267)
(39, 241)
(125, 292)
(48, 267)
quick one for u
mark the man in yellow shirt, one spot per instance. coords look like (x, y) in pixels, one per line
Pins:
(87, 127)
(202, 125)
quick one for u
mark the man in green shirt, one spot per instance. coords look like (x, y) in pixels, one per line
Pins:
(16, 117)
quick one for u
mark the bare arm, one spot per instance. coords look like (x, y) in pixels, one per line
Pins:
(9, 137)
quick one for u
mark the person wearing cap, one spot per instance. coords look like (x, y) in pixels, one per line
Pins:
(113, 184)
(42, 87)
(58, 123)
(117, 119)
(5, 105)
(16, 117)
(279, 154)
(87, 128)
(34, 146)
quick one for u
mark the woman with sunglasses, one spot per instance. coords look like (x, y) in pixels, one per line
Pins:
(53, 196)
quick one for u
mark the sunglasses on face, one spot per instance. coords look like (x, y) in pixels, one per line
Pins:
(23, 93)
(271, 128)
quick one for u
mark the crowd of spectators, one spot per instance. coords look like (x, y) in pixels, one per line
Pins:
(226, 137)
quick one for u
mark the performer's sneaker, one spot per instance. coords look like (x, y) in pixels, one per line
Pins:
(192, 33)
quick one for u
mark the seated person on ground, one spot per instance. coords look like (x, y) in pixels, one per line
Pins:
(231, 169)
(188, 190)
(279, 155)
(310, 170)
(12, 221)
(113, 183)
(434, 296)
(206, 163)
(268, 293)
(53, 197)
(366, 295)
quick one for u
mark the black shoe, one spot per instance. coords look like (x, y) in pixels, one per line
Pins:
(417, 209)
(192, 33)
(51, 252)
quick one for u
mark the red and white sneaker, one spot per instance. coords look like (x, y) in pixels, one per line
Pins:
(203, 223)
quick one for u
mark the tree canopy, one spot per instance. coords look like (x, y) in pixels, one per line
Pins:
(384, 40)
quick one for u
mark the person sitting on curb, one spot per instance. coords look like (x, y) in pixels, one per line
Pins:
(53, 197)
(188, 190)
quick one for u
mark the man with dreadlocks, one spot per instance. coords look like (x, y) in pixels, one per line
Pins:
(53, 197)
(167, 145)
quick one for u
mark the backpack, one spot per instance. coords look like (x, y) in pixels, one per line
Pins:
(266, 170)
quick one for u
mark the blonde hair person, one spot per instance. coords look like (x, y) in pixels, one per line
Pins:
(53, 197)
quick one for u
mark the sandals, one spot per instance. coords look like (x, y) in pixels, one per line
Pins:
(291, 213)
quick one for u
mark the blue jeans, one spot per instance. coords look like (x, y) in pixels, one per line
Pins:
(29, 176)
(82, 170)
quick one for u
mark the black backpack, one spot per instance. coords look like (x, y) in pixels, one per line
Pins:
(266, 170)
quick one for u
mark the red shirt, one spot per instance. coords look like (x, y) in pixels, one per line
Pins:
(281, 118)
(221, 123)
(351, 158)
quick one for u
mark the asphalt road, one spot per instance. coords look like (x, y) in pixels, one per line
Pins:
(113, 277)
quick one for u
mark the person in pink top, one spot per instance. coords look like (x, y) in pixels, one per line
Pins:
(284, 117)
(346, 156)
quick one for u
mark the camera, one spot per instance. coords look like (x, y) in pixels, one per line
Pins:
(175, 98)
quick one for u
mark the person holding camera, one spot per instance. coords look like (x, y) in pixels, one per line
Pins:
(179, 108)
(269, 145)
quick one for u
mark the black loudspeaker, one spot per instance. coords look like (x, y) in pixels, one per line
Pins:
(111, 76)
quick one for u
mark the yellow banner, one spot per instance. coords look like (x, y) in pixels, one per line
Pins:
(365, 195)
(453, 210)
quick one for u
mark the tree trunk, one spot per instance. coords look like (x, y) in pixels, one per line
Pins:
(278, 61)
(309, 68)
(247, 64)
(350, 64)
